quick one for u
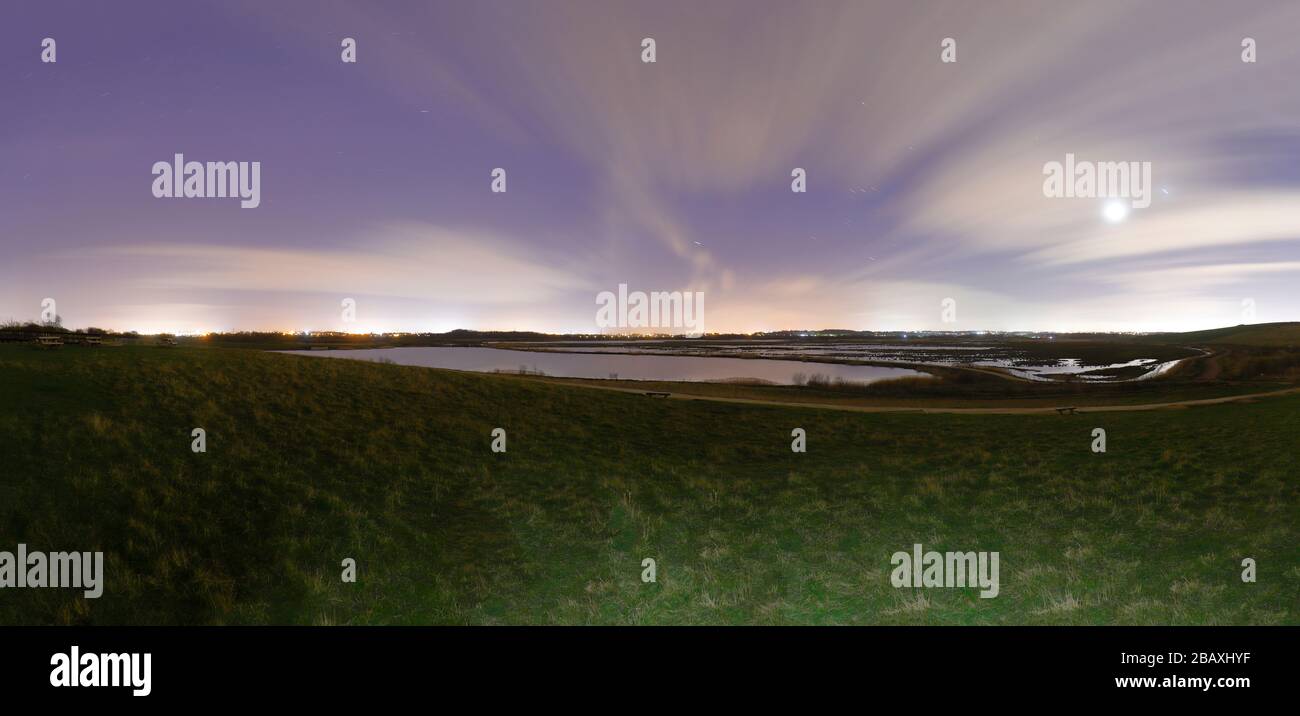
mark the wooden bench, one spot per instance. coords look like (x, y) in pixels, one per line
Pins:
(49, 341)
(656, 394)
(1065, 411)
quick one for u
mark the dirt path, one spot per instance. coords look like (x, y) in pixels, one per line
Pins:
(989, 411)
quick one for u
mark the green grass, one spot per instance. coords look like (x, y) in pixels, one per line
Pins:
(986, 391)
(311, 460)
(1259, 334)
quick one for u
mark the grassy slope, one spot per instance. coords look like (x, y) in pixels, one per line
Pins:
(312, 460)
(1260, 334)
(992, 392)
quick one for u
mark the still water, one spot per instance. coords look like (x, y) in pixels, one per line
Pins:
(622, 366)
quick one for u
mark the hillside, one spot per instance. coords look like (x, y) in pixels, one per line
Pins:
(310, 461)
(1260, 334)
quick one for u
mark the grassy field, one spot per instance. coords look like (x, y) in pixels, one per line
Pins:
(921, 393)
(311, 460)
(1259, 334)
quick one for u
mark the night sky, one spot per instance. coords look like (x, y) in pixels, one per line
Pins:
(924, 178)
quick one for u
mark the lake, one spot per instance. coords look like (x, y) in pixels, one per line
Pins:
(1008, 358)
(623, 366)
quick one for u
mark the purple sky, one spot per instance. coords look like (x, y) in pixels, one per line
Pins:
(925, 179)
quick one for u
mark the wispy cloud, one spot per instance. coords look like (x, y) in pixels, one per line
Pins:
(925, 179)
(402, 261)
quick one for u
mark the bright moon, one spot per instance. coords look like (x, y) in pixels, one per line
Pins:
(1115, 212)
